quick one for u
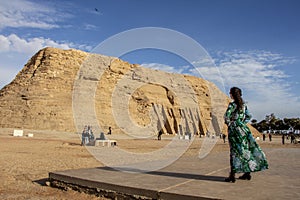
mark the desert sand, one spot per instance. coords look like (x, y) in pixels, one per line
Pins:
(26, 161)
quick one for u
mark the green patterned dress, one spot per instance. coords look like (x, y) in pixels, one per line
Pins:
(245, 154)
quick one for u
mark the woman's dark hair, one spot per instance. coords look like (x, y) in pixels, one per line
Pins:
(237, 97)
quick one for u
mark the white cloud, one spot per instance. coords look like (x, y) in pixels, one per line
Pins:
(14, 43)
(16, 51)
(266, 87)
(22, 13)
(90, 27)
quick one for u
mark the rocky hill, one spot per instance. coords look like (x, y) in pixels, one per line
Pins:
(63, 90)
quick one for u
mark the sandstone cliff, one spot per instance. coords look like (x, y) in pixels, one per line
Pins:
(66, 89)
(40, 96)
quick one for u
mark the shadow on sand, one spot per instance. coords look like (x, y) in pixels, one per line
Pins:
(41, 182)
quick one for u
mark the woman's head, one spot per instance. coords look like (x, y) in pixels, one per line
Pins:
(235, 92)
(236, 95)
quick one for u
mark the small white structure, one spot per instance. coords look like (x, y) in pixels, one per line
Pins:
(18, 133)
(105, 142)
(30, 135)
(109, 143)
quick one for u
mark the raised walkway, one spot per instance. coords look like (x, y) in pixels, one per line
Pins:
(191, 178)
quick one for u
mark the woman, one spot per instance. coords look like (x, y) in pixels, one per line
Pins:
(245, 154)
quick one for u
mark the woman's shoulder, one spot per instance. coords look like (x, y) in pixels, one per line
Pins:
(232, 104)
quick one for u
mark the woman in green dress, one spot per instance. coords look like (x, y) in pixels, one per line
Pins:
(245, 154)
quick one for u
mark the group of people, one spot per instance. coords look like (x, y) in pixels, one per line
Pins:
(292, 136)
(269, 135)
(87, 135)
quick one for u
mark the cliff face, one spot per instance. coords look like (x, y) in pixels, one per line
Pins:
(66, 89)
(40, 95)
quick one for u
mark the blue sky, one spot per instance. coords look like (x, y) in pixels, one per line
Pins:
(254, 44)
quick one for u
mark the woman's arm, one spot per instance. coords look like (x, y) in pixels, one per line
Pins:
(228, 113)
(248, 115)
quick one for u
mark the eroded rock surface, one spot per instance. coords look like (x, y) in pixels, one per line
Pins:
(64, 89)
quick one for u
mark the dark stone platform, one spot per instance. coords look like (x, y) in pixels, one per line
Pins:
(190, 178)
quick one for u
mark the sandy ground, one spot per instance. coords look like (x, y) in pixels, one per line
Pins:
(25, 162)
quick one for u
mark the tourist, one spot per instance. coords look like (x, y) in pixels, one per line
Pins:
(293, 139)
(207, 134)
(109, 131)
(159, 135)
(264, 137)
(224, 137)
(84, 136)
(245, 154)
(90, 134)
(270, 137)
(282, 138)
